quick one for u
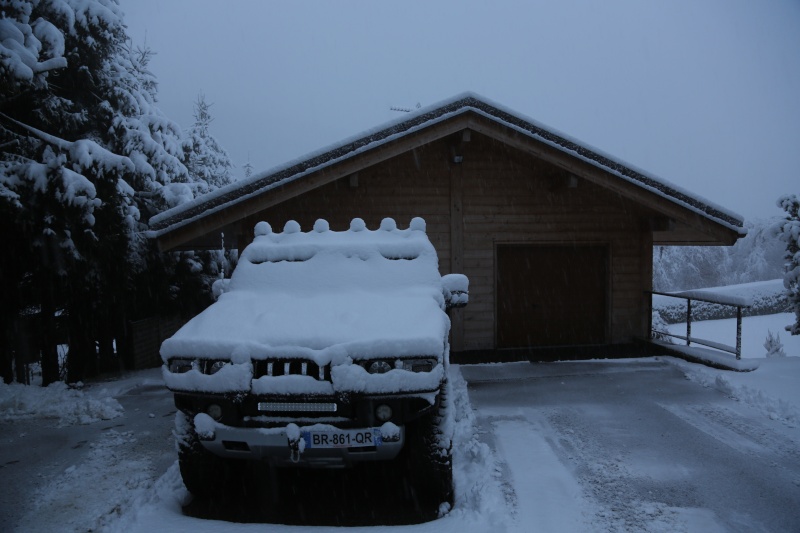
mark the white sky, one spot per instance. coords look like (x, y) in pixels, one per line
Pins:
(703, 94)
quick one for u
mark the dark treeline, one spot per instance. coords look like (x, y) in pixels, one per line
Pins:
(86, 159)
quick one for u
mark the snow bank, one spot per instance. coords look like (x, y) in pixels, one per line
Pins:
(480, 503)
(57, 401)
(773, 388)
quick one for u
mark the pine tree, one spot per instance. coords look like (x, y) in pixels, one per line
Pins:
(207, 161)
(52, 166)
(85, 159)
(789, 231)
(135, 127)
(773, 345)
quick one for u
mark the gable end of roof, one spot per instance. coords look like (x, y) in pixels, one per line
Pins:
(467, 102)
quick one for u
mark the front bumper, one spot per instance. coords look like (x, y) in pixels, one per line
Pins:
(275, 446)
(245, 431)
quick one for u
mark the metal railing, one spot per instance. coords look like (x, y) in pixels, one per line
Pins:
(689, 296)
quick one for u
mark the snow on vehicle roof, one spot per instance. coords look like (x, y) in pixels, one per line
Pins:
(466, 102)
(324, 294)
(294, 245)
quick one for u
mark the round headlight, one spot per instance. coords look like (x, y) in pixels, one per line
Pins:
(379, 367)
(216, 367)
(383, 412)
(214, 411)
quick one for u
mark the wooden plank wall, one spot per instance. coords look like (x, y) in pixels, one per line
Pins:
(412, 184)
(510, 197)
(505, 196)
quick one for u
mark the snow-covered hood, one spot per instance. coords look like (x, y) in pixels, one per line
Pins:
(320, 327)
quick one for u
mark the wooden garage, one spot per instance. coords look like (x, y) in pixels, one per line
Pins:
(555, 237)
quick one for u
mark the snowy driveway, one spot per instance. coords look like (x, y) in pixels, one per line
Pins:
(624, 446)
(633, 447)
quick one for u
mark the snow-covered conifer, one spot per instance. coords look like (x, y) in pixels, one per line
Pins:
(86, 159)
(755, 257)
(773, 345)
(789, 231)
(248, 169)
(207, 161)
(135, 127)
(659, 329)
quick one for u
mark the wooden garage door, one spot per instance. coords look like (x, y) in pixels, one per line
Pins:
(551, 295)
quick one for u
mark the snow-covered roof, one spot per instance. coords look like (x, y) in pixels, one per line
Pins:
(260, 183)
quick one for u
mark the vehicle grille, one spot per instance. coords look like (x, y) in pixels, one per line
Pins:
(291, 367)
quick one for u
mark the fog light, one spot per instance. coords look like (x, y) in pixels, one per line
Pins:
(214, 411)
(418, 365)
(383, 412)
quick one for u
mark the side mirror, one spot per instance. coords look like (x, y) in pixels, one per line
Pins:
(455, 288)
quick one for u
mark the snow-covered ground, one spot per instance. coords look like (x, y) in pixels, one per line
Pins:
(76, 459)
(515, 468)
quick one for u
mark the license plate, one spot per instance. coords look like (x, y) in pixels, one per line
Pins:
(342, 438)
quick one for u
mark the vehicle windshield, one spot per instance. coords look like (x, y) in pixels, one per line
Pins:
(333, 261)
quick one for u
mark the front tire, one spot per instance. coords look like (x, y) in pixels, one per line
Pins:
(429, 460)
(202, 471)
(204, 474)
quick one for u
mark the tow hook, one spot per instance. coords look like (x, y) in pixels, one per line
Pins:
(294, 450)
(296, 442)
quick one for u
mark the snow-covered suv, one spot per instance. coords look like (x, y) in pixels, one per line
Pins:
(324, 349)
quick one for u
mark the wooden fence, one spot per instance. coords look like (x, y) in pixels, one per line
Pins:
(146, 338)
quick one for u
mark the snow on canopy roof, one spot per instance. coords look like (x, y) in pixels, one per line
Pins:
(466, 102)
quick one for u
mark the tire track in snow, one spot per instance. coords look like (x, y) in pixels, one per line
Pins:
(545, 494)
(502, 470)
(748, 436)
(621, 503)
